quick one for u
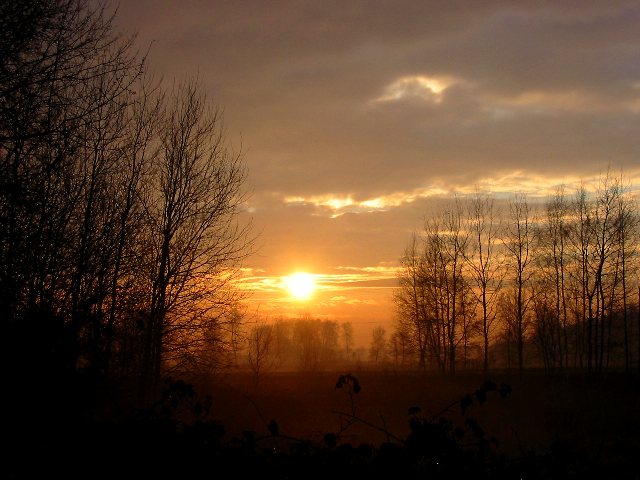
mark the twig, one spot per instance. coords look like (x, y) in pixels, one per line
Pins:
(371, 425)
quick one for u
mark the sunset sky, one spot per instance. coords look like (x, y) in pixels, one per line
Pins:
(356, 116)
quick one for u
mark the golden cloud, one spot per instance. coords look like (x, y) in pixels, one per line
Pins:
(423, 87)
(506, 182)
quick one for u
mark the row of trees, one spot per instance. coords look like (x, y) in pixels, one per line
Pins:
(305, 344)
(119, 203)
(560, 275)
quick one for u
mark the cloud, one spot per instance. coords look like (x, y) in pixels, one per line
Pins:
(539, 102)
(423, 87)
(338, 298)
(356, 117)
(499, 184)
(475, 89)
(335, 206)
(357, 301)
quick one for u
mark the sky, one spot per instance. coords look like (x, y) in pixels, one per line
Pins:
(356, 118)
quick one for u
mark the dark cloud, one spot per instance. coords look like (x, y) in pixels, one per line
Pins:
(314, 91)
(295, 79)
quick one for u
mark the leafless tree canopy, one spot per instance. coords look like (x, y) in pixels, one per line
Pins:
(119, 202)
(548, 283)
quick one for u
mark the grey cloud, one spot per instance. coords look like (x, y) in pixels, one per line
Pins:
(297, 78)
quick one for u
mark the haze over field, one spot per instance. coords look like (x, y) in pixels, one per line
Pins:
(356, 116)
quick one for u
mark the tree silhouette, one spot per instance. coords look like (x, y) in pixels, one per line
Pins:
(195, 243)
(119, 203)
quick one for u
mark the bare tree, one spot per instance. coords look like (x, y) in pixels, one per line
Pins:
(283, 343)
(449, 241)
(507, 312)
(628, 236)
(485, 268)
(597, 235)
(260, 351)
(234, 331)
(138, 153)
(468, 322)
(195, 242)
(307, 339)
(432, 295)
(346, 329)
(68, 113)
(545, 331)
(557, 235)
(377, 349)
(119, 227)
(561, 281)
(400, 348)
(329, 337)
(582, 246)
(606, 243)
(519, 242)
(410, 300)
(64, 81)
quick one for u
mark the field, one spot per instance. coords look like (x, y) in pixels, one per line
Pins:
(598, 417)
(396, 425)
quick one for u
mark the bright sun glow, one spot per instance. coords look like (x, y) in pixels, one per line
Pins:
(300, 285)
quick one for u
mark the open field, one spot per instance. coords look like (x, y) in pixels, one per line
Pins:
(561, 427)
(598, 415)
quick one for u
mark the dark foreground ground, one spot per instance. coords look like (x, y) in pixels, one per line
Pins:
(578, 423)
(357, 424)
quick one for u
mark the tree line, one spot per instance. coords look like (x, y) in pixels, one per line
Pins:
(302, 344)
(120, 198)
(522, 283)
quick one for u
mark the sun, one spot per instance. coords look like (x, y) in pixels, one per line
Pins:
(301, 285)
